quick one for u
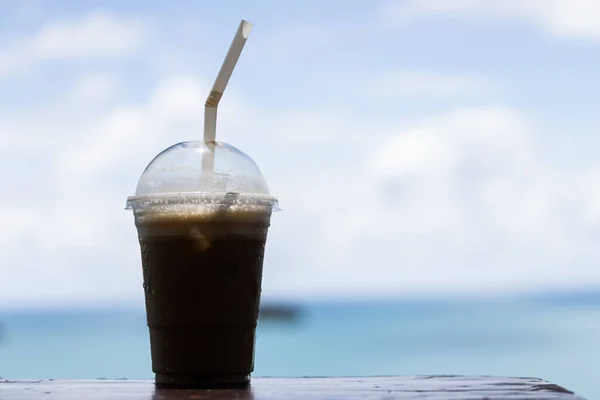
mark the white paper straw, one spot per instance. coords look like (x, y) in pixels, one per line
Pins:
(212, 102)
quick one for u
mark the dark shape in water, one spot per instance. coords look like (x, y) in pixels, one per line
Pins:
(279, 312)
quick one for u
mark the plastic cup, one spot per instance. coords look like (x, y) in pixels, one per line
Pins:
(202, 237)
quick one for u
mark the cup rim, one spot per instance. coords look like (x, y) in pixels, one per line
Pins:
(202, 199)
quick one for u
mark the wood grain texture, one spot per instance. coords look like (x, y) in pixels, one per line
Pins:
(372, 388)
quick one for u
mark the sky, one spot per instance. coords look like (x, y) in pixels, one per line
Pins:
(417, 147)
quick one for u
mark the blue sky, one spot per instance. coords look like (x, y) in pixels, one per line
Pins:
(418, 147)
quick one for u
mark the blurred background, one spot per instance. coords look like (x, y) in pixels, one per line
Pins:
(435, 160)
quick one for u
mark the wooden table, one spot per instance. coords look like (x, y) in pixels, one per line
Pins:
(383, 388)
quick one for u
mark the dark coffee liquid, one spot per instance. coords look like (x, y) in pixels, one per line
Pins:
(202, 281)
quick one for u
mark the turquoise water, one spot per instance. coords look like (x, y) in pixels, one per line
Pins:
(553, 338)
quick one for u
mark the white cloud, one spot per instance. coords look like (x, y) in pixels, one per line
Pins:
(97, 35)
(94, 88)
(429, 85)
(461, 202)
(569, 18)
(21, 220)
(483, 157)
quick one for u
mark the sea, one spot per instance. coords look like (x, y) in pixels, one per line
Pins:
(556, 338)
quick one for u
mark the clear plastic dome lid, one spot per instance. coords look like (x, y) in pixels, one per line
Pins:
(179, 175)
